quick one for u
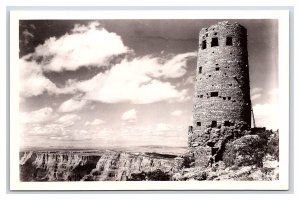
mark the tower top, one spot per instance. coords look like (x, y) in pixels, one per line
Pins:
(223, 25)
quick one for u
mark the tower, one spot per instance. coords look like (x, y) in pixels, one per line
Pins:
(222, 88)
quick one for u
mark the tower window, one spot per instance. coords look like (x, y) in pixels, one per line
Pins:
(198, 123)
(229, 41)
(229, 98)
(227, 123)
(200, 70)
(214, 124)
(214, 94)
(217, 68)
(201, 96)
(203, 46)
(214, 42)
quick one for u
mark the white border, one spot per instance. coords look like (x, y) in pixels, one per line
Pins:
(283, 19)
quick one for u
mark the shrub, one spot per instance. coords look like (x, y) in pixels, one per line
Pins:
(188, 161)
(138, 177)
(247, 150)
(273, 145)
(156, 175)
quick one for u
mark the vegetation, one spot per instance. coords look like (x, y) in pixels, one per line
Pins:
(250, 149)
(273, 145)
(156, 175)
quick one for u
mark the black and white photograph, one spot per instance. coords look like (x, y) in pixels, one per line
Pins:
(191, 100)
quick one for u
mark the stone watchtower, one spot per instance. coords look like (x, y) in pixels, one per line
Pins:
(222, 90)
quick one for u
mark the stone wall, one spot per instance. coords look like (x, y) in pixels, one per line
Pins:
(222, 89)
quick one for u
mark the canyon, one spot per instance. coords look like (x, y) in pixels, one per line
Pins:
(106, 165)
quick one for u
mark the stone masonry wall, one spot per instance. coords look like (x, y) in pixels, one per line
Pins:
(222, 90)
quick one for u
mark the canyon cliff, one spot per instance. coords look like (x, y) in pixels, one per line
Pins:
(93, 166)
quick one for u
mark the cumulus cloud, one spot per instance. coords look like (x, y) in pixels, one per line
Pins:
(33, 81)
(167, 68)
(176, 113)
(137, 81)
(72, 105)
(42, 115)
(95, 122)
(83, 46)
(129, 115)
(68, 120)
(51, 130)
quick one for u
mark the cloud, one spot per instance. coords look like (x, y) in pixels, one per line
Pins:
(49, 130)
(176, 113)
(27, 36)
(32, 26)
(256, 93)
(83, 46)
(95, 122)
(162, 127)
(68, 120)
(33, 82)
(256, 90)
(190, 80)
(129, 115)
(255, 96)
(274, 92)
(170, 68)
(72, 105)
(137, 81)
(266, 115)
(42, 115)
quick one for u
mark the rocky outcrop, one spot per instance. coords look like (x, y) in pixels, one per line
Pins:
(209, 146)
(244, 151)
(219, 172)
(93, 166)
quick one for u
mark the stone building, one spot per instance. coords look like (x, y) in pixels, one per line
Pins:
(222, 88)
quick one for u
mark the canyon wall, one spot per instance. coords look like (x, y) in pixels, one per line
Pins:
(93, 166)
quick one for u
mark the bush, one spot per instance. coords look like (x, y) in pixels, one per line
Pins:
(247, 150)
(138, 177)
(188, 161)
(156, 175)
(273, 145)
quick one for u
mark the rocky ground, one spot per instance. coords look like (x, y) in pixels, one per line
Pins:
(219, 172)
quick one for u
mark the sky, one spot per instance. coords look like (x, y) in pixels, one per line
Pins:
(125, 83)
